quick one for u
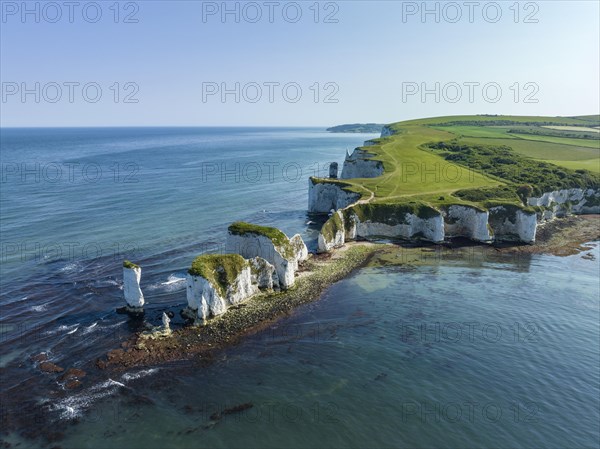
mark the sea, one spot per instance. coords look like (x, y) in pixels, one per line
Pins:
(479, 351)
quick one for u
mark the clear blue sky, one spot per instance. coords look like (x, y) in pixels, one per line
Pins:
(367, 55)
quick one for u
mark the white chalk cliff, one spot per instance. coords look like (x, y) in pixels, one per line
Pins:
(335, 238)
(502, 223)
(134, 297)
(299, 247)
(559, 203)
(360, 165)
(324, 196)
(210, 300)
(467, 221)
(430, 229)
(386, 131)
(512, 224)
(264, 274)
(346, 225)
(284, 256)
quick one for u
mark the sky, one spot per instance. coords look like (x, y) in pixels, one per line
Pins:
(278, 63)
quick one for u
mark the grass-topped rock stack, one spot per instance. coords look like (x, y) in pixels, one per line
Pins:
(250, 240)
(485, 177)
(217, 281)
(132, 292)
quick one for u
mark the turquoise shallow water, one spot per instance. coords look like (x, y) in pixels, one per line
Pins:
(473, 353)
(484, 351)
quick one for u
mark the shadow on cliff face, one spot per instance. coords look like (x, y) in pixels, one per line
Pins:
(314, 224)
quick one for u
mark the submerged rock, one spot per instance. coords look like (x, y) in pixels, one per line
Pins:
(73, 373)
(49, 367)
(134, 297)
(229, 411)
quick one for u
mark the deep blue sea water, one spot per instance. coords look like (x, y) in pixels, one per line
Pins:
(485, 351)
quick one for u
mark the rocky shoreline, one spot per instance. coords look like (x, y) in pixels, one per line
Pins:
(200, 341)
(561, 237)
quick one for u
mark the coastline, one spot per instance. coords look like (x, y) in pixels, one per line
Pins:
(560, 237)
(251, 316)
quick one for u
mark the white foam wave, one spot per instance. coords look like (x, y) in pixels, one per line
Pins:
(40, 308)
(139, 374)
(69, 329)
(173, 279)
(89, 328)
(173, 282)
(102, 283)
(74, 406)
(71, 267)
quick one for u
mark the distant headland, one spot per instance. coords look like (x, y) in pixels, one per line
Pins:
(357, 128)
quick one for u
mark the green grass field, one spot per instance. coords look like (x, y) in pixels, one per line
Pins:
(540, 150)
(592, 165)
(563, 141)
(479, 131)
(475, 160)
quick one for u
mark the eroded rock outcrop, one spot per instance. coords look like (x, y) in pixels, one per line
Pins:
(326, 194)
(386, 131)
(333, 170)
(468, 222)
(264, 274)
(132, 292)
(333, 233)
(215, 282)
(405, 221)
(361, 165)
(511, 223)
(271, 244)
(421, 221)
(560, 203)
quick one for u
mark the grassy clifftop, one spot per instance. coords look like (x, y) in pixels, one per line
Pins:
(279, 239)
(482, 160)
(219, 269)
